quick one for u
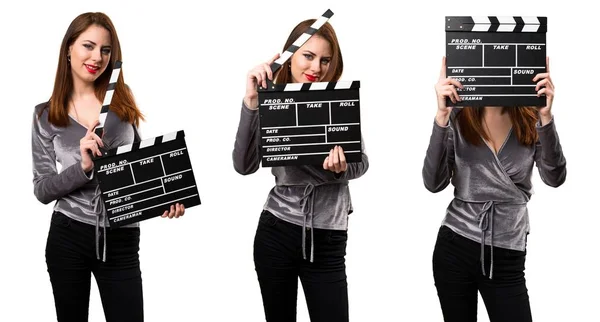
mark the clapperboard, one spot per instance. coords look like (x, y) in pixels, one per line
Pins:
(301, 122)
(496, 59)
(141, 180)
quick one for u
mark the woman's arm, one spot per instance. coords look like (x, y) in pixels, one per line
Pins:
(246, 157)
(439, 159)
(48, 184)
(549, 157)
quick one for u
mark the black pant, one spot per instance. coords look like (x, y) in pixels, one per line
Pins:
(279, 262)
(71, 257)
(458, 277)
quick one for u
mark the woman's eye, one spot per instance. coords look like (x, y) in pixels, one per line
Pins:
(308, 56)
(106, 51)
(88, 46)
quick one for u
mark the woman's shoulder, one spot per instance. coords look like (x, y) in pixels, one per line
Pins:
(40, 113)
(39, 108)
(41, 124)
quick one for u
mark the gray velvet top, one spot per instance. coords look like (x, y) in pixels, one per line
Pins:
(76, 193)
(307, 196)
(491, 191)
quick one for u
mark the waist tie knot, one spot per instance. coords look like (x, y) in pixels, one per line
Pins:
(307, 202)
(486, 222)
(100, 211)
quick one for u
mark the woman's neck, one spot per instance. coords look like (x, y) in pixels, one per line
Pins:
(493, 111)
(82, 90)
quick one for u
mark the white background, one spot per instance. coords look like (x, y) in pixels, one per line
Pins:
(187, 67)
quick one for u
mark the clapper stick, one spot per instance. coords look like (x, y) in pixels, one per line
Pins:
(298, 43)
(110, 90)
(496, 24)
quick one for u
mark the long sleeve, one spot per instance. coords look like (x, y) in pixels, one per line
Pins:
(48, 184)
(356, 169)
(549, 157)
(439, 159)
(246, 157)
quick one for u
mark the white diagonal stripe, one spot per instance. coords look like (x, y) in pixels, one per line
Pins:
(169, 137)
(506, 28)
(108, 97)
(506, 20)
(301, 40)
(480, 19)
(293, 87)
(531, 28)
(114, 76)
(102, 119)
(531, 20)
(343, 85)
(285, 56)
(320, 22)
(147, 143)
(481, 27)
(318, 86)
(124, 148)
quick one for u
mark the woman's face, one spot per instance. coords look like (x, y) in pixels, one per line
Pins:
(90, 54)
(311, 61)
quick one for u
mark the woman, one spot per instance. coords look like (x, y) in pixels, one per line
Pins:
(63, 132)
(302, 230)
(488, 154)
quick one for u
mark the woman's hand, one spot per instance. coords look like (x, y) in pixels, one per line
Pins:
(445, 87)
(336, 161)
(89, 145)
(543, 79)
(177, 210)
(257, 77)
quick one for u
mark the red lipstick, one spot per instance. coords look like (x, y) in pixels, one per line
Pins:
(310, 78)
(91, 69)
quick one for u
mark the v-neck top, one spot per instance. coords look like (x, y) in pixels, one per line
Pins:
(73, 190)
(491, 190)
(490, 144)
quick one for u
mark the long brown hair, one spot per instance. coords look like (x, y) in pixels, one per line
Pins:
(123, 103)
(336, 65)
(523, 121)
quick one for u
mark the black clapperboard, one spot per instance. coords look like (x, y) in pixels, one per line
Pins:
(142, 180)
(496, 59)
(301, 122)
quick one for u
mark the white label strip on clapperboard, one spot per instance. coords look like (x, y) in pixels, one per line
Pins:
(496, 58)
(110, 90)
